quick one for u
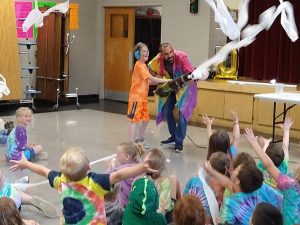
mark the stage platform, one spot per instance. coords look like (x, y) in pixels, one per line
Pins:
(217, 97)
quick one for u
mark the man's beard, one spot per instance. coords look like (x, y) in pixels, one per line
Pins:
(170, 59)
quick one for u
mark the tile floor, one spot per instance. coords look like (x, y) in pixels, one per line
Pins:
(99, 132)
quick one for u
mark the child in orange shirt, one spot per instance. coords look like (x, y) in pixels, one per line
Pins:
(138, 96)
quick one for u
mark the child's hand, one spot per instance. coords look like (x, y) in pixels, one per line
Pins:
(19, 164)
(207, 121)
(264, 142)
(287, 124)
(147, 167)
(249, 135)
(234, 116)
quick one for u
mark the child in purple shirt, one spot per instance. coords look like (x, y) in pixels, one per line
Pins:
(128, 155)
(16, 144)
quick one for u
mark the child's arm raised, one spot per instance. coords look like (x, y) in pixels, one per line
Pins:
(286, 136)
(130, 172)
(264, 158)
(221, 178)
(25, 164)
(235, 129)
(208, 122)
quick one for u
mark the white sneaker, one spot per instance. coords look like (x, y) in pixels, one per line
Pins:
(22, 180)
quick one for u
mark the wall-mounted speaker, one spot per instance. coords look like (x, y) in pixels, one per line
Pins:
(194, 6)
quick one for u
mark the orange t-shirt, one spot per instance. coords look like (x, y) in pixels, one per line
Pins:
(139, 83)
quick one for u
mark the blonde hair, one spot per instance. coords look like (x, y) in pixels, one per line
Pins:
(157, 161)
(135, 151)
(9, 214)
(74, 163)
(23, 111)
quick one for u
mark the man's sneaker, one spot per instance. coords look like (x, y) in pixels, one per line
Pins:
(22, 180)
(168, 143)
(46, 207)
(178, 148)
(42, 156)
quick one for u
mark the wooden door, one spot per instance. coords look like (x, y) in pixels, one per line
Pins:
(119, 43)
(51, 58)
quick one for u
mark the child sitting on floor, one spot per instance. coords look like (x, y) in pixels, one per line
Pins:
(5, 130)
(219, 140)
(128, 155)
(143, 205)
(279, 153)
(81, 192)
(10, 215)
(290, 187)
(22, 198)
(17, 139)
(168, 187)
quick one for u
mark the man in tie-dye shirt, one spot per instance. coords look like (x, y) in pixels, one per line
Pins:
(171, 64)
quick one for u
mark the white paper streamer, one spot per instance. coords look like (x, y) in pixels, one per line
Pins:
(3, 87)
(210, 197)
(223, 17)
(35, 16)
(23, 187)
(248, 35)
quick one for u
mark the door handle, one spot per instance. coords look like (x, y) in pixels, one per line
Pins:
(130, 60)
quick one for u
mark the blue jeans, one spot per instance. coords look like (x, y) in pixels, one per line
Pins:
(177, 131)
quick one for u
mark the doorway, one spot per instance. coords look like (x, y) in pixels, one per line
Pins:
(125, 26)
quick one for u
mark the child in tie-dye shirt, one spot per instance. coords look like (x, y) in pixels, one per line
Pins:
(279, 153)
(248, 188)
(81, 192)
(17, 145)
(290, 187)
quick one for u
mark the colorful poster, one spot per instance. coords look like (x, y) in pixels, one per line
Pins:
(22, 9)
(74, 16)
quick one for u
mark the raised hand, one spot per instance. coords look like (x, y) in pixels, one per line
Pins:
(249, 135)
(264, 142)
(288, 122)
(207, 121)
(234, 116)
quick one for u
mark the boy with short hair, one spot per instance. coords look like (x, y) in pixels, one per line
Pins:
(265, 213)
(81, 192)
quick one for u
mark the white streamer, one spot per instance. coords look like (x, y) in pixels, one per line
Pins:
(23, 187)
(266, 19)
(223, 17)
(3, 87)
(36, 17)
